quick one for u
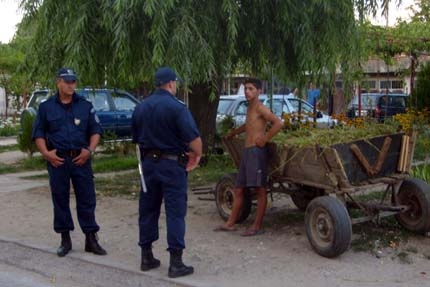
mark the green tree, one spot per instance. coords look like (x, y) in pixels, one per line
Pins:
(421, 96)
(122, 42)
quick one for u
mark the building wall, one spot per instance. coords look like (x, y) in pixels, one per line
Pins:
(2, 101)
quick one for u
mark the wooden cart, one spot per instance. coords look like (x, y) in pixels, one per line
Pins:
(323, 182)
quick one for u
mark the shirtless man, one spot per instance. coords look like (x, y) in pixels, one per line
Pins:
(253, 166)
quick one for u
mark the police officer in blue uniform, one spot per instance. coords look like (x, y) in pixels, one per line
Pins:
(66, 132)
(170, 146)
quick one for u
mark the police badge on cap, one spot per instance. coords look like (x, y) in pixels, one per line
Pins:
(67, 74)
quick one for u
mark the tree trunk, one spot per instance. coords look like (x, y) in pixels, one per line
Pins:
(204, 112)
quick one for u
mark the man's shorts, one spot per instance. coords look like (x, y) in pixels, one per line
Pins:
(253, 167)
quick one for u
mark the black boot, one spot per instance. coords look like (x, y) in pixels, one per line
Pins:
(91, 244)
(148, 260)
(66, 244)
(177, 268)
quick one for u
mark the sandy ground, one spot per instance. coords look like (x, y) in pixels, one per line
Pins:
(280, 257)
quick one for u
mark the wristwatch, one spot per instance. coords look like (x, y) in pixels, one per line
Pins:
(90, 150)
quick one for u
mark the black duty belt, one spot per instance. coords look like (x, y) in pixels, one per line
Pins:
(68, 153)
(154, 154)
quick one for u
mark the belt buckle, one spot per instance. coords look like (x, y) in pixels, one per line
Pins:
(74, 153)
(156, 154)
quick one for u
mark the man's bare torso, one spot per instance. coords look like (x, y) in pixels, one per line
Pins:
(255, 123)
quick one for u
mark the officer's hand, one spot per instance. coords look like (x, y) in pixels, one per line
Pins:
(82, 158)
(52, 158)
(193, 161)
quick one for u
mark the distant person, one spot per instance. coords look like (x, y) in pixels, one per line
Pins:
(66, 132)
(313, 95)
(294, 92)
(170, 147)
(253, 166)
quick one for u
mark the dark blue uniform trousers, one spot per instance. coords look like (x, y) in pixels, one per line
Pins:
(83, 185)
(164, 179)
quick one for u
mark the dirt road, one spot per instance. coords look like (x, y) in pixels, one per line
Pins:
(280, 257)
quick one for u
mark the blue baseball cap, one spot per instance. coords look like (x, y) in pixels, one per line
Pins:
(164, 75)
(67, 74)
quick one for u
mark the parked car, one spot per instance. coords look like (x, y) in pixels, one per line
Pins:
(371, 101)
(289, 104)
(113, 107)
(390, 105)
(236, 106)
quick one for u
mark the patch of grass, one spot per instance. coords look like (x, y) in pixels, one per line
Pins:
(27, 164)
(37, 176)
(123, 185)
(5, 148)
(100, 164)
(212, 171)
(128, 184)
(421, 172)
(371, 196)
(422, 147)
(4, 168)
(114, 163)
(388, 234)
(9, 130)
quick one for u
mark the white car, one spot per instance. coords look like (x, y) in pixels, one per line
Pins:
(236, 106)
(289, 104)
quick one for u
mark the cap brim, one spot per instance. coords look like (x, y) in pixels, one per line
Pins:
(69, 78)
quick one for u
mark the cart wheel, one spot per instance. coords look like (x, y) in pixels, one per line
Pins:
(302, 198)
(415, 194)
(224, 196)
(328, 226)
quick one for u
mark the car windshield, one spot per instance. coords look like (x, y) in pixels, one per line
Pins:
(38, 98)
(277, 106)
(393, 101)
(306, 108)
(223, 106)
(366, 100)
(98, 98)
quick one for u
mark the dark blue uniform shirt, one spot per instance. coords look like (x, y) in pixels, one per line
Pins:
(163, 122)
(66, 126)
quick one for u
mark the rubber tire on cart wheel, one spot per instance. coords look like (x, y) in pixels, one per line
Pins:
(302, 198)
(224, 196)
(328, 226)
(415, 194)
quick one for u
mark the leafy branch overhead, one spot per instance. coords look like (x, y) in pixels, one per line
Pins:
(123, 41)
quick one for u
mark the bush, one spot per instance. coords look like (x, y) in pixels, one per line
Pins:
(422, 172)
(25, 143)
(7, 128)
